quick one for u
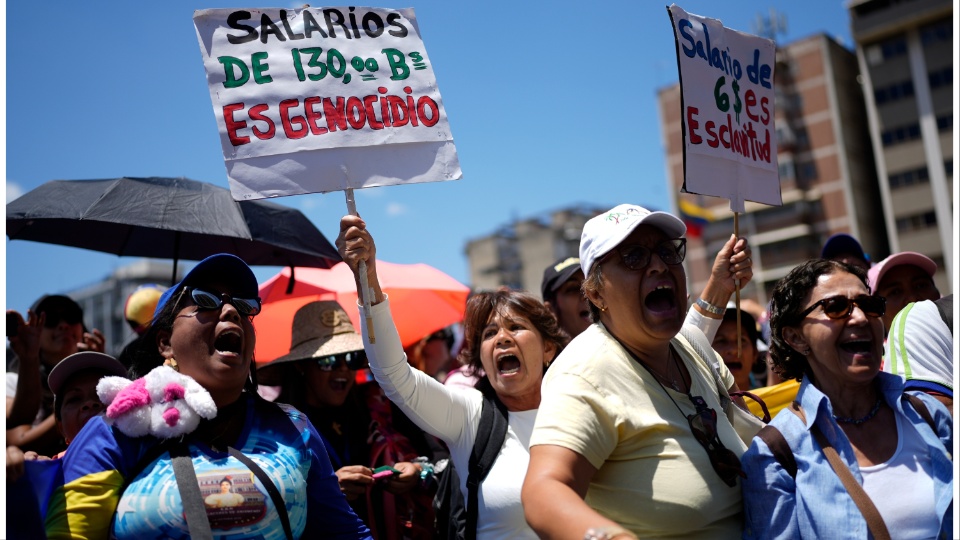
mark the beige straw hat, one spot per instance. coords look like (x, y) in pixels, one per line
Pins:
(321, 329)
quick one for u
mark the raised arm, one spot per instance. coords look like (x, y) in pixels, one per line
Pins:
(22, 408)
(448, 413)
(732, 262)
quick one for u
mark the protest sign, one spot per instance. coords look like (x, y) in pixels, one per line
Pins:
(323, 99)
(727, 96)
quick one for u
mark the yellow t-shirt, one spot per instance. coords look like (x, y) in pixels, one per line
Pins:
(653, 477)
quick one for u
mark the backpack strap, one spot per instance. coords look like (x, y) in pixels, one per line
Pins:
(269, 486)
(922, 410)
(193, 508)
(491, 435)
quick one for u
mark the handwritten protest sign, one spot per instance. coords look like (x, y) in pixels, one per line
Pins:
(323, 99)
(727, 93)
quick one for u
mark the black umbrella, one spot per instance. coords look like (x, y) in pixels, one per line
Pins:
(170, 218)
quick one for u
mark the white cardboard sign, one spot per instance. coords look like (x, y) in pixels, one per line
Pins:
(729, 138)
(323, 99)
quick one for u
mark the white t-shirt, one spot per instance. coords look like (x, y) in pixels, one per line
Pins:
(909, 470)
(453, 415)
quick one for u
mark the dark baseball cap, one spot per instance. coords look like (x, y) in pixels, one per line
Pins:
(557, 274)
(840, 244)
(222, 267)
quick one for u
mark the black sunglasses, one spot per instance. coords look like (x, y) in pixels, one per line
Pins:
(208, 301)
(54, 316)
(703, 424)
(839, 307)
(637, 257)
(355, 360)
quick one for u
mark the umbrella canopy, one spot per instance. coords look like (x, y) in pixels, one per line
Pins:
(170, 218)
(422, 300)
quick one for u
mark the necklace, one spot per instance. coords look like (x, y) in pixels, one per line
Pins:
(857, 421)
(657, 376)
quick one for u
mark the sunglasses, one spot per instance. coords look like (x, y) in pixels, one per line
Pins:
(54, 316)
(637, 257)
(703, 424)
(208, 301)
(839, 307)
(355, 360)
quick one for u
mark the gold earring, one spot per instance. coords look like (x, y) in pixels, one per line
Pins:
(172, 363)
(603, 309)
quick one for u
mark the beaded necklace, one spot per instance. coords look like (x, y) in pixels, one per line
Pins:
(857, 421)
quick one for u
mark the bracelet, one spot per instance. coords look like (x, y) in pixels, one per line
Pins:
(710, 308)
(607, 533)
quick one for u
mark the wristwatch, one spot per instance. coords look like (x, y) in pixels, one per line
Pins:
(607, 533)
(710, 308)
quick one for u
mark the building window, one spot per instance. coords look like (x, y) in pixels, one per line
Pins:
(893, 47)
(941, 77)
(903, 133)
(909, 178)
(807, 171)
(945, 122)
(786, 169)
(917, 222)
(893, 92)
(941, 31)
(803, 140)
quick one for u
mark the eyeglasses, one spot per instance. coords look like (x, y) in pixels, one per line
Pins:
(637, 257)
(54, 316)
(208, 301)
(838, 307)
(355, 360)
(703, 424)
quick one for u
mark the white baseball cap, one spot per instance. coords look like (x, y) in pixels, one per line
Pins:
(606, 231)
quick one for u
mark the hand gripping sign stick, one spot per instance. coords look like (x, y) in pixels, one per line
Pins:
(364, 284)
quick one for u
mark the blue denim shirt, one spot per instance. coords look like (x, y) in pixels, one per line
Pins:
(815, 504)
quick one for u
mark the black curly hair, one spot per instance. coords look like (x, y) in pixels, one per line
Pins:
(483, 304)
(787, 302)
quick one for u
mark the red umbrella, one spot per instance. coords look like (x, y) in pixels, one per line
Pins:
(422, 300)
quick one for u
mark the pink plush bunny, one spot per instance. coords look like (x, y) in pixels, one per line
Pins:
(163, 403)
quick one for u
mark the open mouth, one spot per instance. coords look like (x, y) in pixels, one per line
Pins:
(858, 346)
(508, 364)
(338, 384)
(734, 366)
(229, 342)
(661, 299)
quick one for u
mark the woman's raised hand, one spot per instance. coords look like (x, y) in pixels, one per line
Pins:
(355, 244)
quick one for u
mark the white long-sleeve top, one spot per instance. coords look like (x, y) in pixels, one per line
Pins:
(453, 415)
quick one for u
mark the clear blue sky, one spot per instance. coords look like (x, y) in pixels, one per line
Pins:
(550, 103)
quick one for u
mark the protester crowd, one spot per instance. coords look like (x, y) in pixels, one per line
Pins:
(616, 405)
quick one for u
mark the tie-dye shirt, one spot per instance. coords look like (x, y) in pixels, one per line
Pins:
(279, 439)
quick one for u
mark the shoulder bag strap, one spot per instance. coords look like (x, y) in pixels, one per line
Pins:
(269, 486)
(491, 435)
(874, 520)
(193, 508)
(780, 448)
